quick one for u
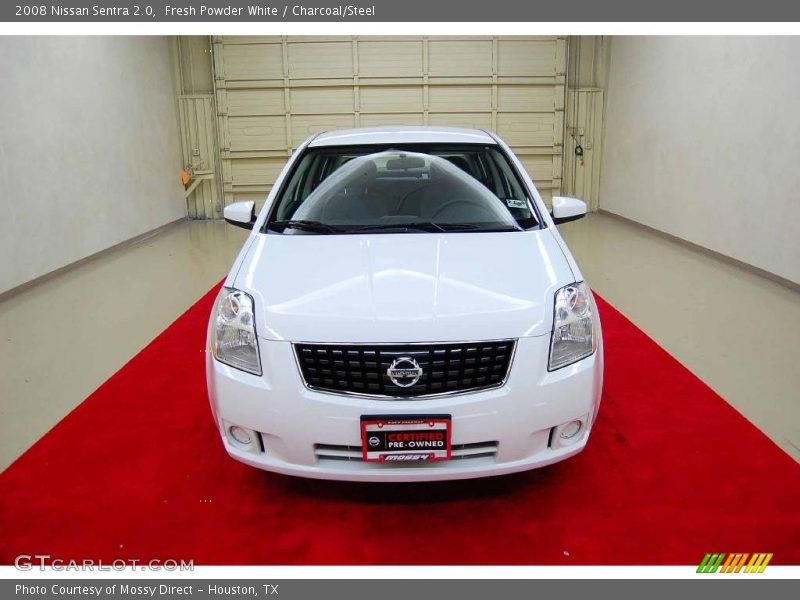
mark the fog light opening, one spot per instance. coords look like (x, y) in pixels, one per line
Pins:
(240, 435)
(570, 431)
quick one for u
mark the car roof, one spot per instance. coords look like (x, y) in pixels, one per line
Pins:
(402, 135)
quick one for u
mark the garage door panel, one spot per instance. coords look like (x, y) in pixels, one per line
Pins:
(253, 62)
(395, 58)
(526, 98)
(526, 129)
(448, 58)
(232, 40)
(320, 60)
(526, 57)
(469, 120)
(391, 99)
(257, 133)
(274, 92)
(322, 100)
(256, 172)
(255, 102)
(540, 168)
(375, 120)
(460, 98)
(305, 125)
(558, 163)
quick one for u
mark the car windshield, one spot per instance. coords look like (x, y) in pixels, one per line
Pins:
(402, 190)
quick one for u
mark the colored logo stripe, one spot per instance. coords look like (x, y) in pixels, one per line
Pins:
(710, 563)
(736, 562)
(760, 564)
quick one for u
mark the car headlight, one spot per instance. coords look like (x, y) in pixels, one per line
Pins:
(235, 342)
(573, 326)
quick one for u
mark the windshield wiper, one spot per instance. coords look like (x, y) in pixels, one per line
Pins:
(314, 226)
(418, 226)
(427, 226)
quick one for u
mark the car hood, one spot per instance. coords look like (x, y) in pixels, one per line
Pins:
(388, 288)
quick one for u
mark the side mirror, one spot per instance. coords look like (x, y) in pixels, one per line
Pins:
(566, 209)
(241, 214)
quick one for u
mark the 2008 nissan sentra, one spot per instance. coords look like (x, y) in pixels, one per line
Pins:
(404, 309)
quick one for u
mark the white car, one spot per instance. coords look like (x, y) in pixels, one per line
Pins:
(404, 309)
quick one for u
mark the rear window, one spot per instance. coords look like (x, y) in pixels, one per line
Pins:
(402, 189)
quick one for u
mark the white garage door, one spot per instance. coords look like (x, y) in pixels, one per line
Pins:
(273, 92)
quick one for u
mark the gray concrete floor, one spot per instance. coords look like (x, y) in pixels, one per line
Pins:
(734, 329)
(61, 339)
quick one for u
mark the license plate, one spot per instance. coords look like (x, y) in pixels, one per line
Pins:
(404, 439)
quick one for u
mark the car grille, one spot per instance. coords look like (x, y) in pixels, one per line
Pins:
(446, 368)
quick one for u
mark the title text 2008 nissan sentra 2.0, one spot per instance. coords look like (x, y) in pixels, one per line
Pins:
(404, 309)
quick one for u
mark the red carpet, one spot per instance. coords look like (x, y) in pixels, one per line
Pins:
(137, 471)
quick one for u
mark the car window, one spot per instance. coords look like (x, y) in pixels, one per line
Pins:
(419, 189)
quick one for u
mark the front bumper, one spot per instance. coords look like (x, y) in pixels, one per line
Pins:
(298, 431)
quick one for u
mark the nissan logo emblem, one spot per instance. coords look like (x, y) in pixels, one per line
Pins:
(404, 371)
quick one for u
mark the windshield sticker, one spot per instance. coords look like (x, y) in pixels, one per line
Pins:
(514, 203)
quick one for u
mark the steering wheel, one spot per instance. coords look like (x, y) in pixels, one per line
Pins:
(422, 187)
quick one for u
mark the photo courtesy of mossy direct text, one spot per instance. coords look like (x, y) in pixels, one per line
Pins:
(124, 589)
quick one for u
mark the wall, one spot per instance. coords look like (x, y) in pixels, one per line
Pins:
(89, 148)
(587, 78)
(702, 141)
(196, 72)
(588, 60)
